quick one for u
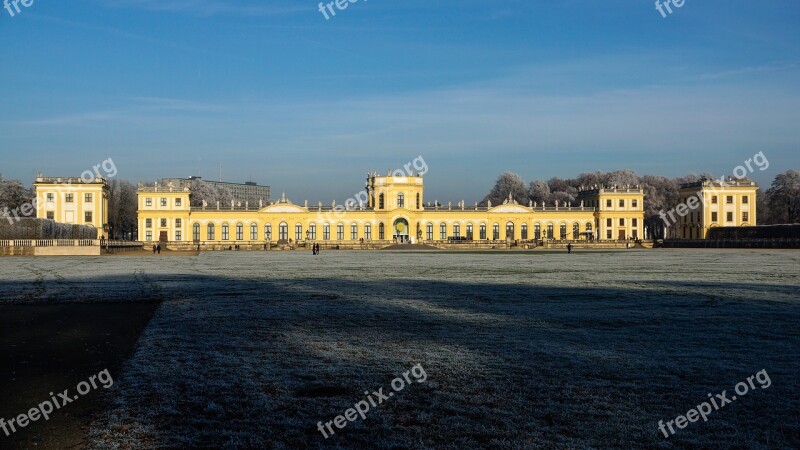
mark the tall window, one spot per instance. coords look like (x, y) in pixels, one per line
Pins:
(340, 232)
(713, 199)
(164, 201)
(380, 201)
(563, 230)
(510, 230)
(283, 231)
(469, 231)
(177, 202)
(148, 223)
(354, 232)
(713, 216)
(443, 231)
(636, 221)
(589, 228)
(401, 200)
(312, 232)
(549, 231)
(609, 223)
(210, 232)
(745, 217)
(326, 232)
(730, 217)
(537, 231)
(51, 215)
(368, 232)
(524, 231)
(381, 231)
(163, 223)
(178, 223)
(576, 231)
(87, 198)
(178, 235)
(608, 203)
(457, 230)
(196, 232)
(69, 198)
(253, 231)
(267, 231)
(621, 203)
(298, 232)
(419, 204)
(429, 232)
(225, 232)
(496, 232)
(622, 222)
(729, 199)
(634, 203)
(239, 232)
(483, 232)
(745, 200)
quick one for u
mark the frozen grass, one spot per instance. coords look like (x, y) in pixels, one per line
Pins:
(522, 350)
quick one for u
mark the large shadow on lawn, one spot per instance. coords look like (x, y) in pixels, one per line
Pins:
(232, 362)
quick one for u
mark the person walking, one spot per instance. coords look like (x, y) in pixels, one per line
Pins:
(154, 249)
(569, 248)
(158, 247)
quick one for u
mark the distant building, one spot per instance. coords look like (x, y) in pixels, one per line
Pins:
(72, 200)
(248, 192)
(708, 204)
(390, 209)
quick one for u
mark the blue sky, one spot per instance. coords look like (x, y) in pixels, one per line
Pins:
(275, 93)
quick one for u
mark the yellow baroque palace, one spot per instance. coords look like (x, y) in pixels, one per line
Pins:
(391, 209)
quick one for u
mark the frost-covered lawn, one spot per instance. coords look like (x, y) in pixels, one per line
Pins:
(521, 350)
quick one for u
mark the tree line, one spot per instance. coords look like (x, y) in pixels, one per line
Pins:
(780, 204)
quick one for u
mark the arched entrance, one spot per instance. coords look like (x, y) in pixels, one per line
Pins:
(401, 230)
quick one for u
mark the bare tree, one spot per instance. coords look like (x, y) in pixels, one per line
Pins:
(14, 194)
(508, 183)
(539, 192)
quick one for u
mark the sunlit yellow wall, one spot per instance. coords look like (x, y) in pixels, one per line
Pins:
(53, 200)
(286, 221)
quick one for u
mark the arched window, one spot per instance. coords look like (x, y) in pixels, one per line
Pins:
(367, 232)
(550, 231)
(340, 232)
(196, 232)
(589, 234)
(298, 232)
(563, 231)
(469, 232)
(401, 200)
(483, 232)
(576, 231)
(380, 201)
(210, 232)
(354, 231)
(456, 230)
(253, 231)
(239, 232)
(524, 230)
(225, 232)
(510, 230)
(326, 232)
(443, 231)
(283, 231)
(381, 231)
(537, 231)
(496, 232)
(429, 232)
(312, 232)
(267, 231)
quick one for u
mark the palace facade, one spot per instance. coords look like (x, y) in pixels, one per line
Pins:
(708, 204)
(72, 200)
(391, 209)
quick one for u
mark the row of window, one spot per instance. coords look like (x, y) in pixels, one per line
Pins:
(87, 216)
(164, 202)
(610, 222)
(401, 201)
(70, 198)
(729, 199)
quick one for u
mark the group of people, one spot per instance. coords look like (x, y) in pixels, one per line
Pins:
(315, 249)
(156, 249)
